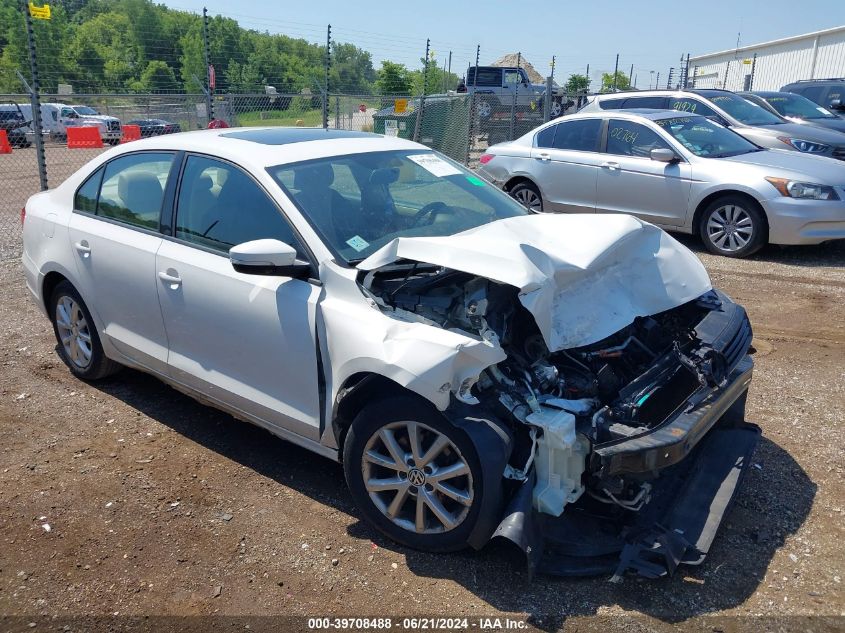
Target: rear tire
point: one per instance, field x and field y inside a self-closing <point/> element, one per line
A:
<point x="733" y="226"/>
<point x="78" y="341"/>
<point x="527" y="194"/>
<point x="428" y="499"/>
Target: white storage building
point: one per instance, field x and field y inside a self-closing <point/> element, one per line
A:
<point x="817" y="55"/>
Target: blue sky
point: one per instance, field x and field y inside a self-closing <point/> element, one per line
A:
<point x="650" y="35"/>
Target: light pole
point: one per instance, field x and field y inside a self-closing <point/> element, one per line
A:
<point x="650" y="79"/>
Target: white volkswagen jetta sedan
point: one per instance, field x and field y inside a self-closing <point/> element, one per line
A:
<point x="479" y="369"/>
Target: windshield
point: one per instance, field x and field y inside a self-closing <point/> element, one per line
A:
<point x="744" y="111"/>
<point x="800" y="107"/>
<point x="359" y="202"/>
<point x="85" y="110"/>
<point x="706" y="138"/>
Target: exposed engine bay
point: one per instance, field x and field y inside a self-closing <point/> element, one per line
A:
<point x="563" y="405"/>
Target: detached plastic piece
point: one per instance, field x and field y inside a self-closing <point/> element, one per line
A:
<point x="559" y="461"/>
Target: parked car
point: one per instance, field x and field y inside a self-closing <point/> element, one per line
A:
<point x="503" y="87"/>
<point x="756" y="123"/>
<point x="155" y="127"/>
<point x="471" y="363"/>
<point x="681" y="171"/>
<point x="796" y="108"/>
<point x="109" y="126"/>
<point x="828" y="93"/>
<point x="16" y="127"/>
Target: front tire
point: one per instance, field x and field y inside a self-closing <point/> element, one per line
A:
<point x="527" y="194"/>
<point x="733" y="226"/>
<point x="414" y="476"/>
<point x="78" y="342"/>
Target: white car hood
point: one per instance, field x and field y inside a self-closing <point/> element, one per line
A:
<point x="582" y="277"/>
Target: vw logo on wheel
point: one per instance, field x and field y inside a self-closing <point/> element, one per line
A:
<point x="416" y="477"/>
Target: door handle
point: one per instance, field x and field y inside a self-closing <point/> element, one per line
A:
<point x="610" y="165"/>
<point x="83" y="248"/>
<point x="544" y="156"/>
<point x="171" y="279"/>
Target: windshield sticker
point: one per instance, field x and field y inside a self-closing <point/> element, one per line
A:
<point x="358" y="243"/>
<point x="475" y="180"/>
<point x="434" y="165"/>
<point x="824" y="111"/>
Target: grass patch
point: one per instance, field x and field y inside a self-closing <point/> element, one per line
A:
<point x="309" y="118"/>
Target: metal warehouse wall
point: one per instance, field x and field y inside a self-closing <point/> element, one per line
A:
<point x="811" y="56"/>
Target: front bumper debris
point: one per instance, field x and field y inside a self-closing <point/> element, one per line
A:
<point x="677" y="526"/>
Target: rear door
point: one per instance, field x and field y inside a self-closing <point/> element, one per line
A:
<point x="244" y="340"/>
<point x="114" y="234"/>
<point x="629" y="181"/>
<point x="565" y="163"/>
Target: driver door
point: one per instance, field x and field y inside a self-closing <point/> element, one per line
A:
<point x="245" y="340"/>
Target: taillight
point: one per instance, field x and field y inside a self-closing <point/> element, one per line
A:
<point x="23" y="215"/>
<point x="486" y="158"/>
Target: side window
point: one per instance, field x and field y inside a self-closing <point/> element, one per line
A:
<point x="835" y="94"/>
<point x="694" y="106"/>
<point x="813" y="93"/>
<point x="490" y="77"/>
<point x="657" y="103"/>
<point x="626" y="138"/>
<point x="611" y="104"/>
<point x="133" y="189"/>
<point x="86" y="195"/>
<point x="546" y="137"/>
<point x="220" y="206"/>
<point x="581" y="135"/>
<point x="511" y="78"/>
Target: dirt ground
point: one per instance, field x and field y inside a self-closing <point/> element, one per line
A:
<point x="159" y="506"/>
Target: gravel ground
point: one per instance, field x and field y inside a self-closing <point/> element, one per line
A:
<point x="157" y="505"/>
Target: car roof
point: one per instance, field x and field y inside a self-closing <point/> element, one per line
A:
<point x="262" y="147"/>
<point x="661" y="93"/>
<point x="652" y="114"/>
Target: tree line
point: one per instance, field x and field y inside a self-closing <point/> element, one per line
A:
<point x="136" y="46"/>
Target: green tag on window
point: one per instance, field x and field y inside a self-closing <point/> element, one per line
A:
<point x="475" y="180"/>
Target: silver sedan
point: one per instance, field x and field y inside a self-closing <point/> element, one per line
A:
<point x="681" y="172"/>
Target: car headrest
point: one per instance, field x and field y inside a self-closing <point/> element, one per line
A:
<point x="384" y="176"/>
<point x="140" y="192"/>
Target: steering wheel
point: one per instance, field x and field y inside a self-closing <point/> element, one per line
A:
<point x="430" y="211"/>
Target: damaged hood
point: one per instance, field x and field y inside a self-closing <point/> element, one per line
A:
<point x="582" y="277"/>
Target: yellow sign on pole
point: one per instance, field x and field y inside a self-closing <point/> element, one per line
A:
<point x="400" y="105"/>
<point x="39" y="13"/>
<point x="746" y="61"/>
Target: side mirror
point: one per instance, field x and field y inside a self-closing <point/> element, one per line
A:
<point x="664" y="155"/>
<point x="268" y="257"/>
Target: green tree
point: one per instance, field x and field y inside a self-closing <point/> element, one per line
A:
<point x="577" y="83"/>
<point x="352" y="70"/>
<point x="622" y="82"/>
<point x="157" y="77"/>
<point x="393" y="79"/>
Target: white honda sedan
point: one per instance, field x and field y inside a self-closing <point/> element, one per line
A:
<point x="476" y="367"/>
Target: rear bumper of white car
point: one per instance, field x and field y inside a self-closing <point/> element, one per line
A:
<point x="794" y="221"/>
<point x="34" y="281"/>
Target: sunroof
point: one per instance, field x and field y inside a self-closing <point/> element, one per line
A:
<point x="286" y="135"/>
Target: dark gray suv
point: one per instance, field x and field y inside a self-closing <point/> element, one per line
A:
<point x="828" y="93"/>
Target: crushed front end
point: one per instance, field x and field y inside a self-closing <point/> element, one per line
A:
<point x="625" y="453"/>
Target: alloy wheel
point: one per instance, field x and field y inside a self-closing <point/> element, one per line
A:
<point x="73" y="331"/>
<point x="528" y="198"/>
<point x="417" y="478"/>
<point x="730" y="228"/>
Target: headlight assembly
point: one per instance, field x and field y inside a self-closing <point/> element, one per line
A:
<point x="801" y="145"/>
<point x="803" y="190"/>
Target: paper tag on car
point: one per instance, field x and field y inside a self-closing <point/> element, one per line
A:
<point x="358" y="243"/>
<point x="435" y="165"/>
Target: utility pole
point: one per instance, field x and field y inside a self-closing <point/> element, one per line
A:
<point x="615" y="72"/>
<point x="209" y="84"/>
<point x="35" y="97"/>
<point x="630" y="75"/>
<point x="471" y="134"/>
<point x="326" y="85"/>
<point x="421" y="109"/>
